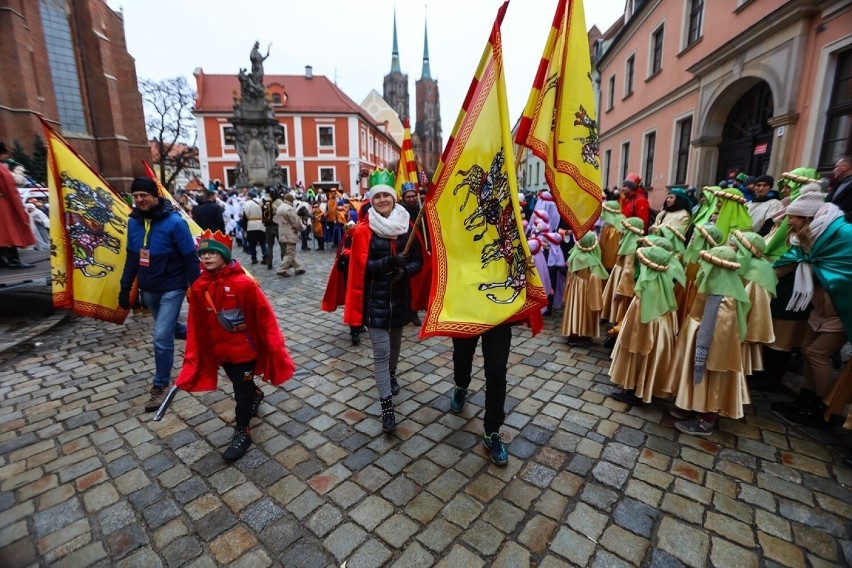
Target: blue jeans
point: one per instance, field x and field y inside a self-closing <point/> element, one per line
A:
<point x="165" y="307"/>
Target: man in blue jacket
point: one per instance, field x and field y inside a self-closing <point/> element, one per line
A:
<point x="161" y="255"/>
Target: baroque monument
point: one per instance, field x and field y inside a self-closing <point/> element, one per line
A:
<point x="256" y="130"/>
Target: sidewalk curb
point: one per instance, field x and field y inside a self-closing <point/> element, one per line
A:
<point x="8" y="348"/>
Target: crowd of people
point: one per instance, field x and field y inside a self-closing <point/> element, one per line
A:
<point x="701" y="302"/>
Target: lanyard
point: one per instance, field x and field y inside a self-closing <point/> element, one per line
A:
<point x="147" y="232"/>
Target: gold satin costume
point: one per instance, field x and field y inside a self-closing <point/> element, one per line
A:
<point x="618" y="290"/>
<point x="609" y="241"/>
<point x="723" y="388"/>
<point x="643" y="352"/>
<point x="583" y="304"/>
<point x="759" y="330"/>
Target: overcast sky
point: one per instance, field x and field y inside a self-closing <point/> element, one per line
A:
<point x="347" y="40"/>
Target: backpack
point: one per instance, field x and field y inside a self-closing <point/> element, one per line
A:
<point x="266" y="212"/>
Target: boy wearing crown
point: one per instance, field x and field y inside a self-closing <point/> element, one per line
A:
<point x="231" y="324"/>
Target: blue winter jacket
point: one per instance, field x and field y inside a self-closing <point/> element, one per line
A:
<point x="173" y="262"/>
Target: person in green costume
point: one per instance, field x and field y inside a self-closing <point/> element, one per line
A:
<point x="733" y="213"/>
<point x="645" y="346"/>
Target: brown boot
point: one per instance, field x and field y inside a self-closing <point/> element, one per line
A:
<point x="158" y="395"/>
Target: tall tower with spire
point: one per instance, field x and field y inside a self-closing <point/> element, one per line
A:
<point x="427" y="140"/>
<point x="396" y="82"/>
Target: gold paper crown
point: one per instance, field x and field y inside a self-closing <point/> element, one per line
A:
<point x="382" y="177"/>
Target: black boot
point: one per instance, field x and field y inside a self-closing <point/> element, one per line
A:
<point x="388" y="417"/>
<point x="14" y="260"/>
<point x="806" y="396"/>
<point x="255" y="403"/>
<point x="810" y="413"/>
<point x="394" y="382"/>
<point x="239" y="444"/>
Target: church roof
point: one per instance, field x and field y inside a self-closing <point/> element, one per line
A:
<point x="426" y="73"/>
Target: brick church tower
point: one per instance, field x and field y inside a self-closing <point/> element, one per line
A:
<point x="427" y="141"/>
<point x="396" y="83"/>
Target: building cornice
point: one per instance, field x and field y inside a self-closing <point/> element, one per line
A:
<point x="789" y="13"/>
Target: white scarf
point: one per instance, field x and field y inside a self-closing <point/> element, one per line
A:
<point x="392" y="226"/>
<point x="803" y="285"/>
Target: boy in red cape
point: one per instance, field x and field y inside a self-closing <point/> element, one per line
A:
<point x="231" y="324"/>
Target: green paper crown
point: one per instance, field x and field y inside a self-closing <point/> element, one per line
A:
<point x="382" y="177"/>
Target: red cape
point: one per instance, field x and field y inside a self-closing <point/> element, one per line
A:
<point x="354" y="297"/>
<point x="335" y="288"/>
<point x="15" y="228"/>
<point x="200" y="369"/>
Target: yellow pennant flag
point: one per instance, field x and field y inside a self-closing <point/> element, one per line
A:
<point x="194" y="229"/>
<point x="483" y="275"/>
<point x="88" y="230"/>
<point x="559" y="124"/>
<point x="407" y="170"/>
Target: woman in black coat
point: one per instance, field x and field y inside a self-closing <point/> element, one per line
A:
<point x="379" y="291"/>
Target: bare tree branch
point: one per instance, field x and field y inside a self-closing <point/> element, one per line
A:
<point x="169" y="122"/>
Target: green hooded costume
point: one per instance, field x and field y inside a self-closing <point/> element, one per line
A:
<point x="654" y="282"/>
<point x="587" y="254"/>
<point x="707" y="207"/>
<point x="753" y="265"/>
<point x="704" y="237"/>
<point x="611" y="214"/>
<point x="733" y="213"/>
<point x="633" y="229"/>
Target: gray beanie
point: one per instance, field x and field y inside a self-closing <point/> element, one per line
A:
<point x="807" y="204"/>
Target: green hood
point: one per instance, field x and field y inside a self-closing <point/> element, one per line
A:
<point x="611" y="213"/>
<point x="633" y="230"/>
<point x="655" y="282"/>
<point x="753" y="265"/>
<point x="733" y="213"/>
<point x="587" y="254"/>
<point x="700" y="242"/>
<point x="724" y="280"/>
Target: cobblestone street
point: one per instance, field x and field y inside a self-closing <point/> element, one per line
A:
<point x="88" y="479"/>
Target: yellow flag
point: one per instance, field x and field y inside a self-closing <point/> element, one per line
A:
<point x="559" y="123"/>
<point x="88" y="230"/>
<point x="483" y="275"/>
<point x="407" y="170"/>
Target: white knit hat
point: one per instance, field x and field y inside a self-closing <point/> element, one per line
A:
<point x="807" y="204"/>
<point x="377" y="189"/>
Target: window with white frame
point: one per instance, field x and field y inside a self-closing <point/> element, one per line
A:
<point x="657" y="50"/>
<point x="625" y="159"/>
<point x="648" y="168"/>
<point x="230" y="177"/>
<point x="363" y="142"/>
<point x="611" y="95"/>
<point x="285" y="175"/>
<point x="695" y="21"/>
<point x="606" y="162"/>
<point x="327" y="174"/>
<point x="683" y="131"/>
<point x="629" y="69"/>
<point x="229" y="135"/>
<point x="837" y="137"/>
<point x="325" y="135"/>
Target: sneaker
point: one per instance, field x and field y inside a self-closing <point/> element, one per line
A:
<point x="300" y="271"/>
<point x="239" y="444"/>
<point x="457" y="402"/>
<point x="158" y="395"/>
<point x="255" y="404"/>
<point x="695" y="426"/>
<point x="494" y="443"/>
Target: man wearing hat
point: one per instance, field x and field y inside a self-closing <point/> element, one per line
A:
<point x="161" y="257"/>
<point x="765" y="204"/>
<point x="255" y="231"/>
<point x="635" y="204"/>
<point x="841" y="195"/>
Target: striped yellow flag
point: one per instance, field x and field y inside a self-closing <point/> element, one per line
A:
<point x="194" y="229"/>
<point x="483" y="275"/>
<point x="559" y="124"/>
<point x="407" y="170"/>
<point x="88" y="230"/>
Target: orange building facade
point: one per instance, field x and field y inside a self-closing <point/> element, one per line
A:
<point x="328" y="140"/>
<point x="691" y="90"/>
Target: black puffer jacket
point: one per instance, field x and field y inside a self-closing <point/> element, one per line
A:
<point x="387" y="292"/>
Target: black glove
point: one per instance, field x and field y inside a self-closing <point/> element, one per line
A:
<point x="398" y="276"/>
<point x="399" y="260"/>
<point x="124" y="299"/>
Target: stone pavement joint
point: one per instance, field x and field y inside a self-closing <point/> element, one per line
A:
<point x="88" y="479"/>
